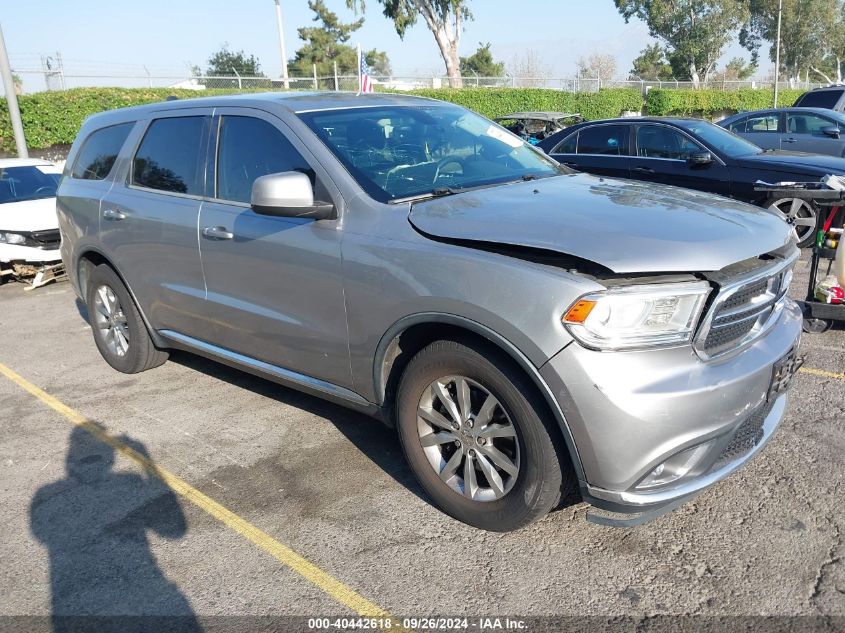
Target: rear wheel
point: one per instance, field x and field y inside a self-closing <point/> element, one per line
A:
<point x="800" y="215"/>
<point x="816" y="326"/>
<point x="473" y="432"/>
<point x="119" y="331"/>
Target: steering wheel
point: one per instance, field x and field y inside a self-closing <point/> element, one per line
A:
<point x="449" y="160"/>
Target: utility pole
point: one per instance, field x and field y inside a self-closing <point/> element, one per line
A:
<point x="12" y="99"/>
<point x="279" y="24"/>
<point x="777" y="52"/>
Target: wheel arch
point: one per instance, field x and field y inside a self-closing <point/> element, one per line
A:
<point x="92" y="257"/>
<point x="412" y="333"/>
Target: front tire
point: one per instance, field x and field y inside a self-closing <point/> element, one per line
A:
<point x="472" y="429"/>
<point x="119" y="331"/>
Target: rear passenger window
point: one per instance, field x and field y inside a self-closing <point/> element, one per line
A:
<point x="170" y="157"/>
<point x="604" y="139"/>
<point x="768" y="123"/>
<point x="248" y="149"/>
<point x="99" y="151"/>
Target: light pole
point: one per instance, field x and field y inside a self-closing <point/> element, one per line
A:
<point x="282" y="45"/>
<point x="777" y="52"/>
<point x="12" y="99"/>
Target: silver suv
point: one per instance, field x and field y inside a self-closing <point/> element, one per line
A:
<point x="533" y="333"/>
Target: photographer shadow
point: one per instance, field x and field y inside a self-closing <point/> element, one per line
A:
<point x="94" y="523"/>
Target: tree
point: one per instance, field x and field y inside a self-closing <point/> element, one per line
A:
<point x="529" y="70"/>
<point x="444" y="18"/>
<point x="378" y="62"/>
<point x="806" y="35"/>
<point x="225" y="63"/>
<point x="694" y="31"/>
<point x="651" y="65"/>
<point x="325" y="45"/>
<point x="597" y="66"/>
<point x="481" y="63"/>
<point x="830" y="67"/>
<point x="738" y="69"/>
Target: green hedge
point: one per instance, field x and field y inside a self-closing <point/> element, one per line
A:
<point x="54" y="118"/>
<point x="706" y="103"/>
<point x="493" y="102"/>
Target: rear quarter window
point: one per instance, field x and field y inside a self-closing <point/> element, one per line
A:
<point x="567" y="146"/>
<point x="99" y="152"/>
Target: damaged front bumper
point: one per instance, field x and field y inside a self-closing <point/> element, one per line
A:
<point x="638" y="418"/>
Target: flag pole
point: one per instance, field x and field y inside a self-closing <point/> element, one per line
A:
<point x="359" y="68"/>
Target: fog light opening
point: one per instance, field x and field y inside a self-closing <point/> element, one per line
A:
<point x="676" y="467"/>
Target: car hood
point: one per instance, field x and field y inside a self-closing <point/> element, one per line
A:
<point x="626" y="226"/>
<point x="29" y="215"/>
<point x="795" y="163"/>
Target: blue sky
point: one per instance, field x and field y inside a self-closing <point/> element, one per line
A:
<point x="166" y="35"/>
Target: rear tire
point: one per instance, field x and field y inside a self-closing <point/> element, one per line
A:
<point x="119" y="331"/>
<point x="486" y="458"/>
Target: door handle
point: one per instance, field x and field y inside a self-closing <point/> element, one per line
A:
<point x="644" y="170"/>
<point x="789" y="140"/>
<point x="217" y="233"/>
<point x="113" y="214"/>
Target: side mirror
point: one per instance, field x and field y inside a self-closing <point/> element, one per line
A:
<point x="700" y="158"/>
<point x="831" y="130"/>
<point x="289" y="195"/>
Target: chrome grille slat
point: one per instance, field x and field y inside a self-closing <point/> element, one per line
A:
<point x="743" y="310"/>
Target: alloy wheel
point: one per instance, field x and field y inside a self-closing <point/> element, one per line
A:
<point x="468" y="438"/>
<point x="799" y="214"/>
<point x="110" y="319"/>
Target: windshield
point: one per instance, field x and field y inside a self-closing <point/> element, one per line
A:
<point x="401" y="152"/>
<point x="721" y="139"/>
<point x="26" y="183"/>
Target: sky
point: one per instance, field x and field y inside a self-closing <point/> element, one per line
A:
<point x="166" y="36"/>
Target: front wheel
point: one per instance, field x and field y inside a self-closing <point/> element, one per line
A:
<point x="801" y="215"/>
<point x="473" y="432"/>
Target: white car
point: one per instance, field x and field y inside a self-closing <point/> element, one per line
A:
<point x="29" y="227"/>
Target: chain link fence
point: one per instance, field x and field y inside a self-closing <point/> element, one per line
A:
<point x="50" y="72"/>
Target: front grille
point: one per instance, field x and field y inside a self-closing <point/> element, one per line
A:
<point x="741" y="311"/>
<point x="747" y="436"/>
<point x="746" y="294"/>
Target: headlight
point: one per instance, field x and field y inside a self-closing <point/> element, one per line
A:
<point x="638" y="316"/>
<point x="12" y="238"/>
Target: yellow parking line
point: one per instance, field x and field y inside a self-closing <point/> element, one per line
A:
<point x="285" y="555"/>
<point x="822" y="372"/>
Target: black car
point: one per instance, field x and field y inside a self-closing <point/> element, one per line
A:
<point x="694" y="154"/>
<point x="828" y="97"/>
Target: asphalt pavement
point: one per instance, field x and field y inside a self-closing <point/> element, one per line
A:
<point x="318" y="495"/>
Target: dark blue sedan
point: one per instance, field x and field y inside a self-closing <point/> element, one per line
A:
<point x="694" y="154"/>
